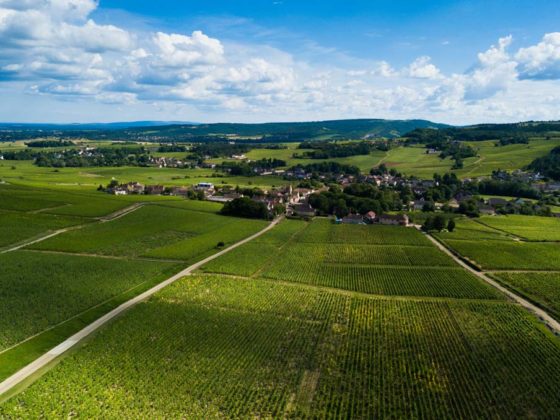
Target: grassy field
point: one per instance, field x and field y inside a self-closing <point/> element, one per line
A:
<point x="542" y="288"/>
<point x="42" y="290"/>
<point x="236" y="348"/>
<point x="156" y="231"/>
<point x="24" y="172"/>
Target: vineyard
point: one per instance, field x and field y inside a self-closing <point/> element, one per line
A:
<point x="542" y="287"/>
<point x="215" y="347"/>
<point x="155" y="231"/>
<point x="40" y="290"/>
<point x="17" y="226"/>
<point x="509" y="255"/>
<point x="532" y="228"/>
<point x="364" y="259"/>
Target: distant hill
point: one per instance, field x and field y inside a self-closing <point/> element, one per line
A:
<point x="271" y="132"/>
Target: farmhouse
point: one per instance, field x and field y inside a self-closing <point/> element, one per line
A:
<point x="353" y="219"/>
<point x="205" y="186"/>
<point x="154" y="189"/>
<point x="393" y="219"/>
<point x="370" y="217"/>
<point x="303" y="210"/>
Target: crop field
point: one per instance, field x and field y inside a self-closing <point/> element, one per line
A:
<point x="16" y="226"/>
<point x="41" y="290"/>
<point x="343" y="257"/>
<point x="532" y="228"/>
<point x="215" y="347"/>
<point x="61" y="202"/>
<point x="543" y="288"/>
<point x="509" y="255"/>
<point x="156" y="231"/>
<point x="471" y="229"/>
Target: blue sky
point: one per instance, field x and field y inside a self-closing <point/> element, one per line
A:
<point x="451" y="61"/>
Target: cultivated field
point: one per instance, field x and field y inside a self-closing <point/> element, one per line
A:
<point x="542" y="288"/>
<point x="381" y="260"/>
<point x="532" y="228"/>
<point x="41" y="290"/>
<point x="214" y="347"/>
<point x="156" y="231"/>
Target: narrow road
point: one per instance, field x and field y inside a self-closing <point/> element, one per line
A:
<point x="57" y="351"/>
<point x="541" y="314"/>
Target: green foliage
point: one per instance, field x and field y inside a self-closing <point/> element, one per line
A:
<point x="245" y="207"/>
<point x="532" y="228"/>
<point x="41" y="290"/>
<point x="155" y="231"/>
<point x="245" y="349"/>
<point x="548" y="165"/>
<point x="542" y="288"/>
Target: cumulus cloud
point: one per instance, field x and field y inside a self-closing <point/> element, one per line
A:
<point x="422" y="68"/>
<point x="541" y="61"/>
<point x="54" y="47"/>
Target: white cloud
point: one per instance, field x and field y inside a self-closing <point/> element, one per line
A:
<point x="53" y="48"/>
<point x="422" y="68"/>
<point x="541" y="61"/>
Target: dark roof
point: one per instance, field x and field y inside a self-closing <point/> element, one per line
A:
<point x="393" y="216"/>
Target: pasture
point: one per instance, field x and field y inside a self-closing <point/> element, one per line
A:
<point x="238" y="348"/>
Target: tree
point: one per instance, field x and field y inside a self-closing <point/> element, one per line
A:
<point x="429" y="206"/>
<point x="428" y="224"/>
<point x="451" y="225"/>
<point x="245" y="207"/>
<point x="439" y="222"/>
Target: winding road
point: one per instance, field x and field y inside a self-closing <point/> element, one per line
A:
<point x="32" y="368"/>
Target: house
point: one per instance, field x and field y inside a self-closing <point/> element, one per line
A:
<point x="419" y="204"/>
<point x="497" y="202"/>
<point x="154" y="189"/>
<point x="353" y="219"/>
<point x="453" y="203"/>
<point x="303" y="210"/>
<point x="134" y="188"/>
<point x="205" y="186"/>
<point x="394" y="219"/>
<point x="370" y="217"/>
<point x="179" y="191"/>
<point x="486" y="209"/>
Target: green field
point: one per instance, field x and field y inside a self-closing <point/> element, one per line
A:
<point x="25" y="173"/>
<point x="214" y="347"/>
<point x="542" y="288"/>
<point x="39" y="290"/>
<point x="381" y="260"/>
<point x="16" y="227"/>
<point x="532" y="228"/>
<point x="156" y="231"/>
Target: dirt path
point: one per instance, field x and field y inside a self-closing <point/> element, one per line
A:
<point x="40" y="363"/>
<point x="541" y="314"/>
<point x="120" y="213"/>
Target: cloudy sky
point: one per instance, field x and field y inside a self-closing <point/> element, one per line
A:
<point x="449" y="61"/>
